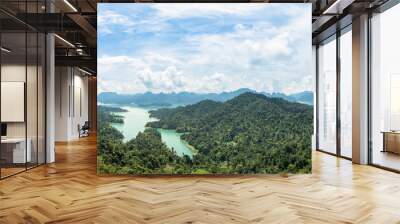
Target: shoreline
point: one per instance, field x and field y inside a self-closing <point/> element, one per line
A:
<point x="191" y="147"/>
<point x="190" y="150"/>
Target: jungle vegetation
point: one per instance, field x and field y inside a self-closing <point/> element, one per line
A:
<point x="251" y="133"/>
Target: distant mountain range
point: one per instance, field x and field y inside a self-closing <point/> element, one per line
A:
<point x="185" y="98"/>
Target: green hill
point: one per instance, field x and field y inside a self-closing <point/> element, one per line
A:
<point x="250" y="133"/>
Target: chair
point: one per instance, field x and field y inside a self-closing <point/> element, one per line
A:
<point x="84" y="130"/>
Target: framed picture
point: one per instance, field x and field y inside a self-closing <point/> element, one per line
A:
<point x="204" y="88"/>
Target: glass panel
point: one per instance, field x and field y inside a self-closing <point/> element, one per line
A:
<point x="41" y="99"/>
<point x="23" y="90"/>
<point x="32" y="88"/>
<point x="346" y="94"/>
<point x="386" y="89"/>
<point x="13" y="86"/>
<point x="314" y="75"/>
<point x="327" y="97"/>
<point x="31" y="100"/>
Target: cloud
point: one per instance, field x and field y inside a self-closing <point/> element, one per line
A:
<point x="168" y="80"/>
<point x="107" y="20"/>
<point x="145" y="74"/>
<point x="263" y="50"/>
<point x="149" y="73"/>
<point x="230" y="47"/>
<point x="259" y="42"/>
<point x="157" y="15"/>
<point x="178" y="10"/>
<point x="204" y="10"/>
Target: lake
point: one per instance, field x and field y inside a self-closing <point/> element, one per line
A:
<point x="134" y="122"/>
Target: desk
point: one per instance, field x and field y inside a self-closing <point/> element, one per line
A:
<point x="391" y="141"/>
<point x="15" y="148"/>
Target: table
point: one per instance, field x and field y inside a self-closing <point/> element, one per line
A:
<point x="13" y="150"/>
<point x="391" y="141"/>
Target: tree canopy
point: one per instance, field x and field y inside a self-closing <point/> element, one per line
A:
<point x="251" y="133"/>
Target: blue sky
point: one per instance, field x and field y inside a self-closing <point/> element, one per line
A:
<point x="204" y="47"/>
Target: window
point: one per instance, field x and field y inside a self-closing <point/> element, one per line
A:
<point x="346" y="93"/>
<point x="385" y="89"/>
<point x="327" y="96"/>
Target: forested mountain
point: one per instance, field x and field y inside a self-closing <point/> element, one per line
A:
<point x="306" y="97"/>
<point x="101" y="108"/>
<point x="251" y="133"/>
<point x="185" y="98"/>
<point x="145" y="154"/>
<point x="104" y="114"/>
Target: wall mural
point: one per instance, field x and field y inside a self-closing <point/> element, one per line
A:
<point x="204" y="88"/>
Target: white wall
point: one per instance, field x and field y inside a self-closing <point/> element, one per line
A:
<point x="17" y="73"/>
<point x="62" y="81"/>
<point x="80" y="109"/>
<point x="71" y="94"/>
<point x="9" y="73"/>
<point x="33" y="126"/>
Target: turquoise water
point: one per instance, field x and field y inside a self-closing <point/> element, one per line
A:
<point x="134" y="122"/>
<point x="173" y="140"/>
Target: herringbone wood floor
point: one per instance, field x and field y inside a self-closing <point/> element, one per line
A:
<point x="69" y="191"/>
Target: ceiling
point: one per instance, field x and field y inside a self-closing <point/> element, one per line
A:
<point x="75" y="22"/>
<point x="329" y="16"/>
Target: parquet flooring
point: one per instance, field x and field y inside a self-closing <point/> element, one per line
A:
<point x="69" y="191"/>
<point x="8" y="171"/>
